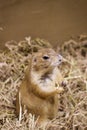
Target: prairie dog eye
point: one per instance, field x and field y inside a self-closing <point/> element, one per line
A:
<point x="45" y="57"/>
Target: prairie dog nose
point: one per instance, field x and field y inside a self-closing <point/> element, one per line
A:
<point x="60" y="58"/>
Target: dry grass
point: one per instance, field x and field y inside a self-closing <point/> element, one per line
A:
<point x="72" y="111"/>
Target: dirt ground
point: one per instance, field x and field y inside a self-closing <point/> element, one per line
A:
<point x="72" y="110"/>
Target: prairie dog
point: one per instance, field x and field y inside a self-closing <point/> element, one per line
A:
<point x="40" y="86"/>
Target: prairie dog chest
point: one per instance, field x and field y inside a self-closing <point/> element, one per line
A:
<point x="46" y="79"/>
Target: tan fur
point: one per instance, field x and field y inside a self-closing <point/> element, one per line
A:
<point x="40" y="87"/>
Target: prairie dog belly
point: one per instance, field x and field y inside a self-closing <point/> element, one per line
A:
<point x="39" y="106"/>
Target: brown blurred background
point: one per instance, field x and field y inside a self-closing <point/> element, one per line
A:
<point x="53" y="20"/>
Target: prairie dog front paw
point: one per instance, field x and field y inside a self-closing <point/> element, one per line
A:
<point x="59" y="89"/>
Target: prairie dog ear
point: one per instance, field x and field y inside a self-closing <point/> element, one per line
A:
<point x="34" y="59"/>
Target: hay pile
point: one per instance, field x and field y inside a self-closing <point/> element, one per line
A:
<point x="72" y="111"/>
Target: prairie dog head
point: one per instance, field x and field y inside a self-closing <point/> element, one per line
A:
<point x="45" y="59"/>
